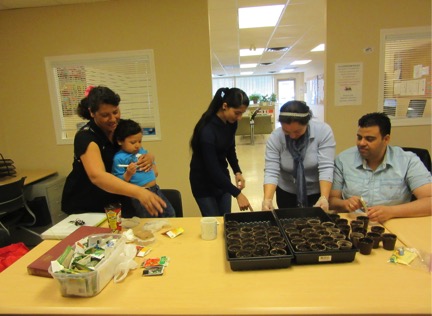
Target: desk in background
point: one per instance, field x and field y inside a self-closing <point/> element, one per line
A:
<point x="42" y="183"/>
<point x="199" y="281"/>
<point x="32" y="176"/>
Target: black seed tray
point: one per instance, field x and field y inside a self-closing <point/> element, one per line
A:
<point x="285" y="216"/>
<point x="266" y="223"/>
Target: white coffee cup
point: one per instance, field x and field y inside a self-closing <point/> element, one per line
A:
<point x="208" y="228"/>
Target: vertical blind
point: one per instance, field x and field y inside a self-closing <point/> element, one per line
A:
<point x="406" y="75"/>
<point x="130" y="74"/>
<point x="250" y="84"/>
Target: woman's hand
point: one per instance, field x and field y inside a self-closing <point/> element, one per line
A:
<point x="323" y="203"/>
<point x="267" y="205"/>
<point x="153" y="203"/>
<point x="243" y="202"/>
<point x="240" y="181"/>
<point x="145" y="162"/>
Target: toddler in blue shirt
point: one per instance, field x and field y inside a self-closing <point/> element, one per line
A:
<point x="128" y="135"/>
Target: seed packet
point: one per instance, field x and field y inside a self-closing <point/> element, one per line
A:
<point x="151" y="262"/>
<point x="142" y="251"/>
<point x="174" y="232"/>
<point x="154" y="270"/>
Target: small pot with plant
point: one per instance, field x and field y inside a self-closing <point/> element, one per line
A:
<point x="255" y="97"/>
<point x="273" y="98"/>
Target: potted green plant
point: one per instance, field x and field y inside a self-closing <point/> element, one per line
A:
<point x="255" y="97"/>
<point x="273" y="98"/>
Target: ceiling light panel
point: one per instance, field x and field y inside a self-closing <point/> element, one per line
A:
<point x="264" y="16"/>
<point x="248" y="65"/>
<point x="319" y="48"/>
<point x="301" y="62"/>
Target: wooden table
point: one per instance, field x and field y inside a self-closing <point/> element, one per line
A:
<point x="414" y="232"/>
<point x="199" y="281"/>
<point x="32" y="176"/>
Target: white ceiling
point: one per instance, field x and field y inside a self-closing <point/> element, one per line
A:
<point x="301" y="27"/>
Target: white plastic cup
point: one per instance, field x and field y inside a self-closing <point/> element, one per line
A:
<point x="208" y="228"/>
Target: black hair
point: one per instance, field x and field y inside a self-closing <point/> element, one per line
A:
<point x="97" y="96"/>
<point x="234" y="98"/>
<point x="376" y="119"/>
<point x="295" y="106"/>
<point x="126" y="128"/>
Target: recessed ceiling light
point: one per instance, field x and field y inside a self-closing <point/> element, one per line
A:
<point x="319" y="48"/>
<point x="248" y="65"/>
<point x="259" y="16"/>
<point x="301" y="62"/>
<point x="284" y="71"/>
<point x="251" y="52"/>
<point x="246" y="73"/>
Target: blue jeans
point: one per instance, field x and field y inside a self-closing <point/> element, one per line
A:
<point x="215" y="205"/>
<point x="140" y="210"/>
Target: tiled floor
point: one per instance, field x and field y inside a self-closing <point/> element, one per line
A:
<point x="251" y="159"/>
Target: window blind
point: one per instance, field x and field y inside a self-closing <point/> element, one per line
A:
<point x="130" y="74"/>
<point x="405" y="83"/>
<point x="249" y="84"/>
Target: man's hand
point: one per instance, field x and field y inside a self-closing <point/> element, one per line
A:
<point x="379" y="213"/>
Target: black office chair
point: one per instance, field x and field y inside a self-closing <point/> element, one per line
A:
<point x="13" y="207"/>
<point x="423" y="154"/>
<point x="174" y="196"/>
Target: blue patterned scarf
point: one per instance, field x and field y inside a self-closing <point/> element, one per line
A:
<point x="297" y="149"/>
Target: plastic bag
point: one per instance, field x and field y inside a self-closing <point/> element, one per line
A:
<point x="155" y="226"/>
<point x="126" y="263"/>
<point x="11" y="253"/>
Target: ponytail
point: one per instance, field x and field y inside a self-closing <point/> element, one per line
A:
<point x="234" y="98"/>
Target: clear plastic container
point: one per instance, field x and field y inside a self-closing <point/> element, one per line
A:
<point x="91" y="283"/>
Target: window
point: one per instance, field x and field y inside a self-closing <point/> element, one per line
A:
<point x="254" y="84"/>
<point x="405" y="75"/>
<point x="130" y="74"/>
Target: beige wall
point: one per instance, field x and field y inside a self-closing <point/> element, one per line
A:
<point x="178" y="33"/>
<point x="352" y="26"/>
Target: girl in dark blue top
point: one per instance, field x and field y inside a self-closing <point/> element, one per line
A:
<point x="213" y="148"/>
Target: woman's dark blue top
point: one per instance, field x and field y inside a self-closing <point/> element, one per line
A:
<point x="209" y="175"/>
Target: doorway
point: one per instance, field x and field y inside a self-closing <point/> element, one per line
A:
<point x="286" y="92"/>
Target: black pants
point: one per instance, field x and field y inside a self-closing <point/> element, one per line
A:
<point x="288" y="200"/>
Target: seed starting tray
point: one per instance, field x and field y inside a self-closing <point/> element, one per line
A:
<point x="285" y="216"/>
<point x="257" y="220"/>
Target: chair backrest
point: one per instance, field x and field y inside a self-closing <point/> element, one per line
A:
<point x="174" y="196"/>
<point x="263" y="124"/>
<point x="243" y="127"/>
<point x="11" y="196"/>
<point x="423" y="154"/>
